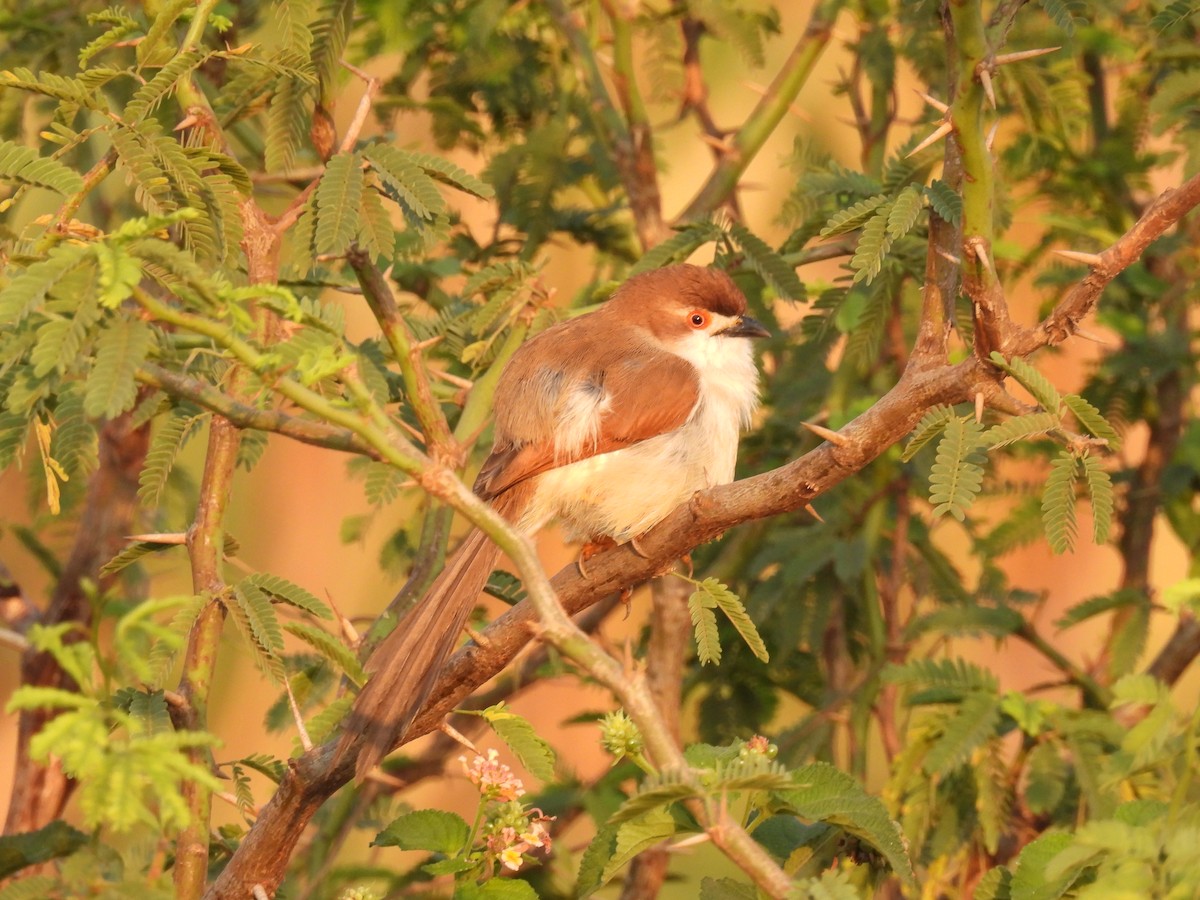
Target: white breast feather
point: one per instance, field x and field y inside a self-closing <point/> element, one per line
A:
<point x="624" y="493"/>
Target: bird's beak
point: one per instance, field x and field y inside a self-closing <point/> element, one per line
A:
<point x="747" y="327"/>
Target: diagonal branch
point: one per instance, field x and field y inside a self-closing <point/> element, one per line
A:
<point x="766" y="115"/>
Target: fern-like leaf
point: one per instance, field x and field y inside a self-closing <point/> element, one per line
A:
<point x="120" y="349"/>
<point x="289" y="593"/>
<point x="1092" y="419"/>
<point x="70" y="90"/>
<point x="1058" y="503"/>
<point x="946" y="201"/>
<point x="873" y="245"/>
<point x="24" y="166"/>
<point x="165" y="445"/>
<point x="1100" y="489"/>
<point x="25" y="293"/>
<point x="405" y="181"/>
<point x="957" y="475"/>
<point x="147" y="98"/>
<point x="678" y="247"/>
<point x="448" y="173"/>
<point x="288" y="119"/>
<point x="965" y="729"/>
<point x="853" y="217"/>
<point x="730" y="604"/>
<point x="1019" y="428"/>
<point x="704" y="624"/>
<point x="772" y="267"/>
<point x="329" y="34"/>
<point x="338" y="197"/>
<point x="251" y="610"/>
<point x="1032" y="380"/>
<point x="927" y="429"/>
<point x="330" y="648"/>
<point x="375" y="234"/>
<point x="904" y="212"/>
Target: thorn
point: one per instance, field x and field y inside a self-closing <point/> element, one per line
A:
<point x="979" y="406"/>
<point x="985" y="79"/>
<point x="979" y="251"/>
<point x="1005" y="58"/>
<point x="822" y="432"/>
<point x="1094" y="338"/>
<point x="1094" y="260"/>
<point x="808" y="508"/>
<point x="258" y="892"/>
<point x="187" y="122"/>
<point x="305" y="740"/>
<point x="942" y="130"/>
<point x="934" y="102"/>
<point x="175" y="537"/>
<point x="949" y="257"/>
<point x="455" y="735"/>
<point x="991" y="136"/>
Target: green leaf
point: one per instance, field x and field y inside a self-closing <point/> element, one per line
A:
<point x="873" y="245"/>
<point x="853" y="217"/>
<point x="375" y="234"/>
<point x="594" y="862"/>
<point x="772" y="267"/>
<point x="638" y="834"/>
<point x="1058" y="503"/>
<point x="1101" y="491"/>
<point x="24" y="166"/>
<point x="405" y="181"/>
<point x="964" y="729"/>
<point x="292" y="594"/>
<point x="132" y="554"/>
<point x="1091" y="419"/>
<point x="448" y="173"/>
<point x="1019" y="428"/>
<point x="120" y="349"/>
<point x="905" y="211"/>
<point x="165" y="445"/>
<point x="25" y="293"/>
<point x="930" y="426"/>
<point x="147" y="97"/>
<point x="1029" y="881"/>
<point x="330" y="648"/>
<point x="946" y="201"/>
<point x="425" y="829"/>
<point x="288" y="118"/>
<point x="338" y="197"/>
<point x="534" y="752"/>
<point x="252" y="613"/>
<point x="957" y="474"/>
<point x="730" y="604"/>
<point x="678" y="247"/>
<point x="53" y="841"/>
<point x="826" y="794"/>
<point x="655" y="793"/>
<point x="1032" y="380"/>
<point x="704" y="624"/>
<point x="1046" y="778"/>
<point x="726" y="889"/>
<point x="495" y="889"/>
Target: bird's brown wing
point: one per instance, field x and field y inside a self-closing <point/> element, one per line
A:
<point x="645" y="393"/>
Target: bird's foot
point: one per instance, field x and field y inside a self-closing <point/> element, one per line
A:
<point x="636" y="547"/>
<point x="590" y="549"/>
<point x="624" y="599"/>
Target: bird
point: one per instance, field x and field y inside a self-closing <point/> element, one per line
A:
<point x="606" y="423"/>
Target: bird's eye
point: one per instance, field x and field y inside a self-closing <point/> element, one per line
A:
<point x="697" y="319"/>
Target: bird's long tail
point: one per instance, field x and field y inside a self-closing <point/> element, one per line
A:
<point x="404" y="667"/>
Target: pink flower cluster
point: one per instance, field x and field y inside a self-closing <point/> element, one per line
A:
<point x="494" y="779"/>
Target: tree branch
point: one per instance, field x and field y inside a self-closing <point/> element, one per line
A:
<point x="766" y="115"/>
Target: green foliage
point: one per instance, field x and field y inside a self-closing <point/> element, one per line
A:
<point x="151" y="151"/>
<point x="957" y="475"/>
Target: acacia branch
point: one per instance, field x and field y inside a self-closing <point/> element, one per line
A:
<point x="306" y="431"/>
<point x="1167" y="209"/>
<point x="766" y="115"/>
